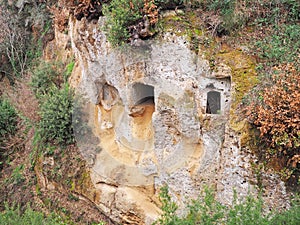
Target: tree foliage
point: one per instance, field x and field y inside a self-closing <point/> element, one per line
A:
<point x="277" y="116"/>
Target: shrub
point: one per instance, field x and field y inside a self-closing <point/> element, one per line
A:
<point x="56" y="116"/>
<point x="13" y="216"/>
<point x="219" y="5"/>
<point x="14" y="58"/>
<point x="168" y="207"/>
<point x="247" y="212"/>
<point x="44" y="77"/>
<point x="120" y="15"/>
<point x="207" y="210"/>
<point x="277" y="117"/>
<point x="8" y="119"/>
<point x="8" y="126"/>
<point x="283" y="46"/>
<point x="48" y="74"/>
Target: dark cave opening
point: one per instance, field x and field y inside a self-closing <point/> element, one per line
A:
<point x="213" y="103"/>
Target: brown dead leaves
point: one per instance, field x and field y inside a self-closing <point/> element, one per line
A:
<point x="151" y="10"/>
<point x="278" y="115"/>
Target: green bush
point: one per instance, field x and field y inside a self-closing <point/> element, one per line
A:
<point x="56" y="116"/>
<point x="120" y="14"/>
<point x="8" y="126"/>
<point x="8" y="119"/>
<point x="44" y="77"/>
<point x="248" y="212"/>
<point x="206" y="210"/>
<point x="13" y="216"/>
<point x="48" y="74"/>
<point x="283" y="46"/>
<point x="168" y="207"/>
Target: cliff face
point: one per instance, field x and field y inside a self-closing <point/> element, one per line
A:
<point x="157" y="114"/>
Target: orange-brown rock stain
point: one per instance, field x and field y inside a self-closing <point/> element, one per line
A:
<point x="142" y="125"/>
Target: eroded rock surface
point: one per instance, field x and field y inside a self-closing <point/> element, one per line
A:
<point x="157" y="115"/>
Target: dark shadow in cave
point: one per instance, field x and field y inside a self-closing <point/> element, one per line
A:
<point x="143" y="94"/>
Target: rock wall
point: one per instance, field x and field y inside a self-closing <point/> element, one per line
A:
<point x="154" y="115"/>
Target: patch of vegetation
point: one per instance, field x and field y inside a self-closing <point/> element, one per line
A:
<point x="277" y="116"/>
<point x="44" y="77"/>
<point x="49" y="83"/>
<point x="290" y="216"/>
<point x="8" y="119"/>
<point x="274" y="12"/>
<point x="56" y="116"/>
<point x="127" y="21"/>
<point x="120" y="15"/>
<point x="24" y="26"/>
<point x="273" y="106"/>
<point x="231" y="15"/>
<point x="17" y="175"/>
<point x="282" y="46"/>
<point x="220" y="17"/>
<point x="168" y="207"/>
<point x="207" y="210"/>
<point x="14" y="216"/>
<point x="229" y="18"/>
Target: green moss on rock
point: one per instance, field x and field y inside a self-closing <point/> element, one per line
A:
<point x="244" y="76"/>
